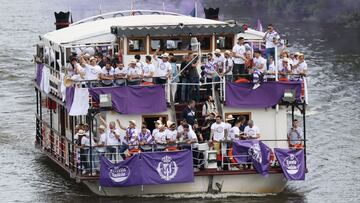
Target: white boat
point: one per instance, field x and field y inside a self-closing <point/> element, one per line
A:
<point x="126" y="33"/>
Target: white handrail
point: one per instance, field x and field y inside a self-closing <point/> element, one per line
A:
<point x="116" y="13"/>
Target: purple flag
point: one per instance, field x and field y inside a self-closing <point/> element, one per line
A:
<point x="39" y="69"/>
<point x="167" y="167"/>
<point x="292" y="163"/>
<point x="254" y="151"/>
<point x="69" y="98"/>
<point x="134" y="99"/>
<point x="125" y="173"/>
<point x="267" y="95"/>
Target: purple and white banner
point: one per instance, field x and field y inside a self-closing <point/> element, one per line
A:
<point x="255" y="151"/>
<point x="125" y="173"/>
<point x="168" y="167"/>
<point x="292" y="163"/>
<point x="150" y="168"/>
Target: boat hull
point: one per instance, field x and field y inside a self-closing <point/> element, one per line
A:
<point x="244" y="184"/>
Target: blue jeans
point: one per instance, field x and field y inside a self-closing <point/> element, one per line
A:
<point x="192" y="88"/>
<point x="184" y="90"/>
<point x="269" y="52"/>
<point x="122" y="149"/>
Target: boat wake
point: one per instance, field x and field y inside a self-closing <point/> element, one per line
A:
<point x="207" y="195"/>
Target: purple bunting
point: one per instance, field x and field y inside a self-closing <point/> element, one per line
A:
<point x="241" y="95"/>
<point x="125" y="173"/>
<point x="292" y="163"/>
<point x="69" y="98"/>
<point x="134" y="99"/>
<point x="39" y="69"/>
<point x="254" y="151"/>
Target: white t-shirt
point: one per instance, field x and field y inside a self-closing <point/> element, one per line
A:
<point x="111" y="139"/>
<point x="300" y="68"/>
<point x="102" y="139"/>
<point x="234" y="133"/>
<point x="240" y="50"/>
<point x="92" y="72"/>
<point x="228" y="127"/>
<point x="123" y="72"/>
<point x="171" y="135"/>
<point x="269" y="39"/>
<point x="106" y="72"/>
<point x="228" y="65"/>
<point x="219" y="131"/>
<point x="191" y="136"/>
<point x="258" y="62"/>
<point x="163" y="69"/>
<point x="282" y="68"/>
<point x="251" y="132"/>
<point x="133" y="72"/>
<point x="219" y="59"/>
<point x="85" y="141"/>
<point x="160" y="137"/>
<point x="147" y="70"/>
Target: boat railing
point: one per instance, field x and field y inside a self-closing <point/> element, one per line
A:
<point x="125" y="13"/>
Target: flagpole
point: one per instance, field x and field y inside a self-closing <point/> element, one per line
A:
<point x="163" y="4"/>
<point x="196" y="11"/>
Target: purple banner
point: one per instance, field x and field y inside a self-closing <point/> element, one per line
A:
<point x="168" y="167"/>
<point x="254" y="151"/>
<point x="267" y="95"/>
<point x="292" y="163"/>
<point x="134" y="99"/>
<point x="39" y="69"/>
<point x="69" y="98"/>
<point x="125" y="173"/>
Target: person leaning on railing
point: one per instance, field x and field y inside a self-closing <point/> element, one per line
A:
<point x="112" y="138"/>
<point x="131" y="132"/>
<point x="251" y="131"/>
<point x="148" y="71"/>
<point x="294" y="135"/>
<point x="163" y="69"/>
<point x="146" y="138"/>
<point x="300" y="68"/>
<point x="134" y="73"/>
<point x="107" y="74"/>
<point x="120" y="74"/>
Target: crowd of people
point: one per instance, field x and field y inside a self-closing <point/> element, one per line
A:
<point x="239" y="64"/>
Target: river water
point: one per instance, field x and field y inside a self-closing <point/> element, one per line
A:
<point x="333" y="128"/>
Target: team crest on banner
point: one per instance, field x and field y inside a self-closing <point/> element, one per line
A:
<point x="255" y="152"/>
<point x="119" y="174"/>
<point x="167" y="168"/>
<point x="292" y="163"/>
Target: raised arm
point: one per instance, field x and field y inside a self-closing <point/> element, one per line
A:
<point x="119" y="123"/>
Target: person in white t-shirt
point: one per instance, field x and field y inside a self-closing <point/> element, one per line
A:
<point x="163" y="69"/>
<point x="92" y="70"/>
<point x="134" y="73"/>
<point x="271" y="40"/>
<point x="171" y="136"/>
<point x="251" y="131"/>
<point x="239" y="57"/>
<point x="77" y="71"/>
<point x="160" y="138"/>
<point x="112" y="138"/>
<point x="148" y="70"/>
<point x="228" y="66"/>
<point x="218" y="130"/>
<point x="120" y="74"/>
<point x="139" y="63"/>
<point x="219" y="60"/>
<point x="229" y="120"/>
<point x="235" y="132"/>
<point x="258" y="69"/>
<point x="107" y="74"/>
<point x="299" y="69"/>
<point x="284" y="69"/>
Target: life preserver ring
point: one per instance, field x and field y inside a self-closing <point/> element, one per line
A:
<point x="283" y="79"/>
<point x="242" y="80"/>
<point x="171" y="148"/>
<point x="147" y="84"/>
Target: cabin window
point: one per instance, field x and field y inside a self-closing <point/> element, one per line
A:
<point x="224" y="42"/>
<point x="136" y="45"/>
<point x="179" y="44"/>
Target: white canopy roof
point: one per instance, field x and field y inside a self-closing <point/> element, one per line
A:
<point x="99" y="31"/>
<point x="252" y="35"/>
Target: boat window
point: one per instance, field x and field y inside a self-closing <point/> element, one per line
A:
<point x="136" y="45"/>
<point x="179" y="44"/>
<point x="224" y="42"/>
<point x="150" y="120"/>
<point x="237" y="115"/>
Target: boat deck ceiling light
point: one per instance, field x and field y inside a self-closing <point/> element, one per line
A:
<point x="289" y="95"/>
<point x="105" y="100"/>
